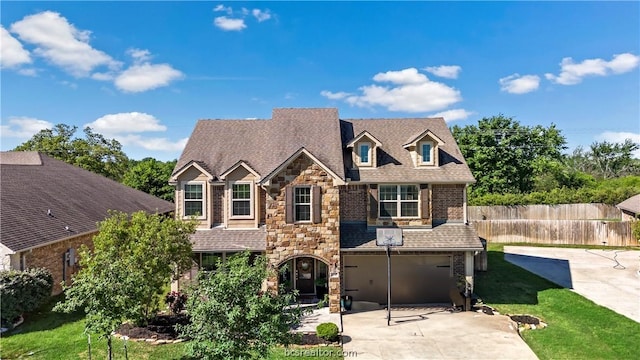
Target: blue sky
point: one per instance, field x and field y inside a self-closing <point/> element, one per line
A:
<point x="145" y="72"/>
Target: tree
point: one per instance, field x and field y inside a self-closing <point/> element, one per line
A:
<point x="151" y="176"/>
<point x="232" y="317"/>
<point x="93" y="152"/>
<point x="613" y="159"/>
<point x="124" y="275"/>
<point x="505" y="156"/>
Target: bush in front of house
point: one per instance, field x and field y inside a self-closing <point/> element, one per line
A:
<point x="176" y="301"/>
<point x="23" y="291"/>
<point x="327" y="331"/>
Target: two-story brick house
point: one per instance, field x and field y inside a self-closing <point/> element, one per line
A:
<point x="308" y="190"/>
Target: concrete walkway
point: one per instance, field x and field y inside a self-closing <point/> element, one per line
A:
<point x="316" y="317"/>
<point x="431" y="333"/>
<point x="609" y="278"/>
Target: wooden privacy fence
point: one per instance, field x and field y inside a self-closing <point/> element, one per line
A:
<point x="545" y="212"/>
<point x="557" y="232"/>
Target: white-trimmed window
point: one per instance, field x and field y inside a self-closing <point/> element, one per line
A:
<point x="398" y="201"/>
<point x="242" y="200"/>
<point x="426" y="153"/>
<point x="302" y="203"/>
<point x="364" y="153"/>
<point x="194" y="199"/>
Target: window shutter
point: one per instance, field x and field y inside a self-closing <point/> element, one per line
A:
<point x="424" y="196"/>
<point x="316" y="203"/>
<point x="288" y="199"/>
<point x="373" y="201"/>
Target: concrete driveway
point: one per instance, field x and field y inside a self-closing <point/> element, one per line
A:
<point x="609" y="278"/>
<point x="431" y="333"/>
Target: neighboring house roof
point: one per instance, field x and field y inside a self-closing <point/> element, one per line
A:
<point x="266" y="144"/>
<point x="218" y="239"/>
<point x="31" y="184"/>
<point x="218" y="145"/>
<point x="394" y="162"/>
<point x="445" y="237"/>
<point x="632" y="204"/>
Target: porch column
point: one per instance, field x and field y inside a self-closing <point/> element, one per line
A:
<point x="468" y="270"/>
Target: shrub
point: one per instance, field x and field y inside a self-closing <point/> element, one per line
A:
<point x="23" y="291"/>
<point x="635" y="229"/>
<point x="176" y="301"/>
<point x="327" y="331"/>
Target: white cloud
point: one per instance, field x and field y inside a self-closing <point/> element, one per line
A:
<point x="61" y="43"/>
<point x="406" y="76"/>
<point x="453" y="114"/>
<point x="23" y="127"/>
<point x="334" y="96"/>
<point x="445" y="71"/>
<point x="229" y="24"/>
<point x="153" y="144"/>
<point x="12" y="54"/>
<point x="131" y="122"/>
<point x="410" y="91"/>
<point x="517" y="84"/>
<point x="221" y="7"/>
<point x="139" y="55"/>
<point x="572" y="73"/>
<point x="620" y="137"/>
<point x="143" y="77"/>
<point x="28" y="72"/>
<point x="261" y="15"/>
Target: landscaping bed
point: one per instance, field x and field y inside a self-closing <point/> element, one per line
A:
<point x="161" y="327"/>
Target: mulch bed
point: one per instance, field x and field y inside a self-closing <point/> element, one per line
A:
<point x="161" y="327"/>
<point x="313" y="339"/>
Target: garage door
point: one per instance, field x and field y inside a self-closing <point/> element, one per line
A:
<point x="415" y="279"/>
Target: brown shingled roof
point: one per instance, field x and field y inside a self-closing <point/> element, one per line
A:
<point x="33" y="183"/>
<point x="632" y="204"/>
<point x="446" y="237"/>
<point x="219" y="239"/>
<point x="265" y="144"/>
<point x="394" y="161"/>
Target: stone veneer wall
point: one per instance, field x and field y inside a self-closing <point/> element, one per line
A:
<point x="50" y="257"/>
<point x="322" y="241"/>
<point x="217" y="196"/>
<point x="447" y="202"/>
<point x="353" y="203"/>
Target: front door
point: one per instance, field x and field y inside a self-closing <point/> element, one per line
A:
<point x="305" y="282"/>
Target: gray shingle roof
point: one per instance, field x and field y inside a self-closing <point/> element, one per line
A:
<point x="632" y="204"/>
<point x="218" y="239"/>
<point x="394" y="162"/>
<point x="444" y="237"/>
<point x="33" y="183"/>
<point x="265" y="144"/>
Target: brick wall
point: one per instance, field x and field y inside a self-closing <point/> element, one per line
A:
<point x="322" y="240"/>
<point x="51" y="257"/>
<point x="217" y="196"/>
<point x="353" y="203"/>
<point x="447" y="202"/>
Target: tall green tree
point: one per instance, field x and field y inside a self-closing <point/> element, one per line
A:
<point x="505" y="156"/>
<point x="609" y="160"/>
<point x="232" y="317"/>
<point x="151" y="176"/>
<point x="133" y="259"/>
<point x="92" y="152"/>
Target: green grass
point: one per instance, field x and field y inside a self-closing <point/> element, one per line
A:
<point x="46" y="335"/>
<point x="578" y="328"/>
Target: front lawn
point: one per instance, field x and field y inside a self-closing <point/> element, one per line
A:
<point x="578" y="328"/>
<point x="51" y="336"/>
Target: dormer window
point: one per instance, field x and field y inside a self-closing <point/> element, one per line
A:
<point x="364" y="154"/>
<point x="424" y="149"/>
<point x="426" y="153"/>
<point x="363" y="150"/>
